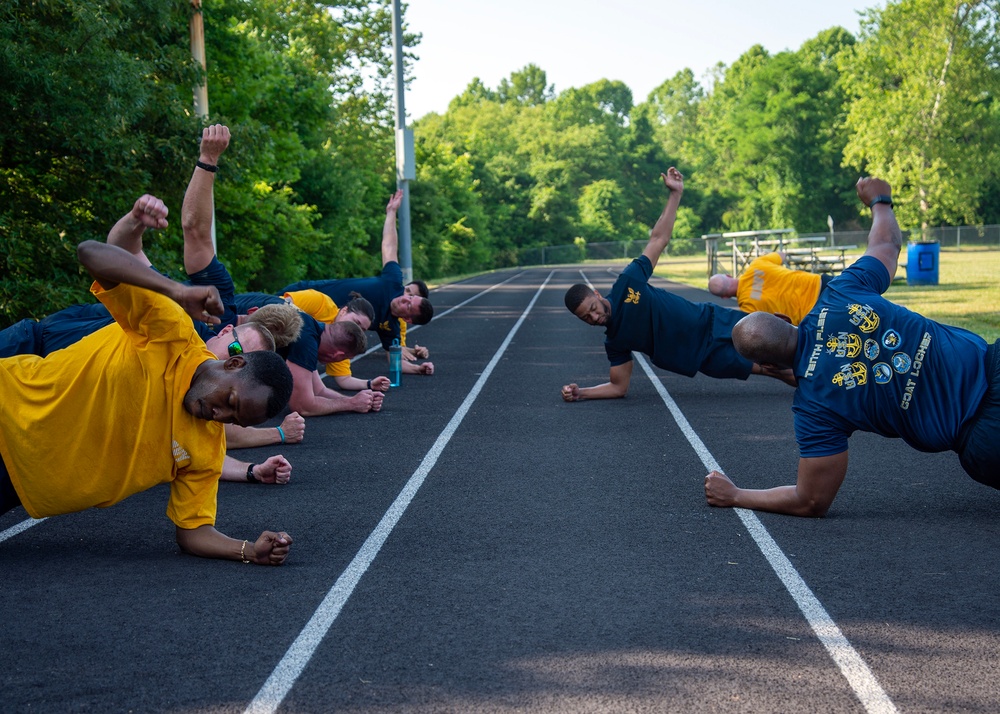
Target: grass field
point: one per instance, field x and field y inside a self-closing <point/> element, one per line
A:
<point x="967" y="294"/>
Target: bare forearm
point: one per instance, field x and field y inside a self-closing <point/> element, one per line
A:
<point x="318" y="405"/>
<point x="782" y="499"/>
<point x="196" y="219"/>
<point x="664" y="226"/>
<point x="608" y="390"/>
<point x="351" y="383"/>
<point x="247" y="437"/>
<point x="111" y="265"/>
<point x="206" y="542"/>
<point x="127" y="234"/>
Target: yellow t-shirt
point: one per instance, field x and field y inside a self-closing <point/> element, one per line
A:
<point x="767" y="286"/>
<point x="315" y="303"/>
<point x="102" y="419"/>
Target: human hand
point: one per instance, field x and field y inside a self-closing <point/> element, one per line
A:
<point x="421" y="352"/>
<point x="394" y="202"/>
<point x="673" y="179"/>
<point x="294" y="427"/>
<point x="271" y="548"/>
<point x="425" y="368"/>
<point x="719" y="490"/>
<point x="868" y="187"/>
<point x="367" y="400"/>
<point x="571" y="393"/>
<point x="408" y="354"/>
<point x="214" y="140"/>
<point x="381" y="384"/>
<point x="275" y="470"/>
<point x="201" y="302"/>
<point x="150" y="211"/>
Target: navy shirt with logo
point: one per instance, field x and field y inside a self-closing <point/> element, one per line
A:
<point x="677" y="334"/>
<point x="379" y="291"/>
<point x="864" y="363"/>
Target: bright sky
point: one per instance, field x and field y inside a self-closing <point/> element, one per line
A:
<point x="576" y="42"/>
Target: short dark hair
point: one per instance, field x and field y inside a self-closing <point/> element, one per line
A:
<point x="422" y="290"/>
<point x="269" y="370"/>
<point x="426" y="313"/>
<point x="577" y="294"/>
<point x="349" y="337"/>
<point x="360" y="306"/>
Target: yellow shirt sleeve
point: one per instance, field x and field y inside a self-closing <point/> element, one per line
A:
<point x="339" y="369"/>
<point x="315" y="303"/>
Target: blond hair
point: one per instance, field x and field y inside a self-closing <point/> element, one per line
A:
<point x="283" y="322"/>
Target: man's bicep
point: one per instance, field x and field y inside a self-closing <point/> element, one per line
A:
<point x="621" y="375"/>
<point x="819" y="479"/>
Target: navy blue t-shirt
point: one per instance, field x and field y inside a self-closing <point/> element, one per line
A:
<point x="677" y="334"/>
<point x="305" y="350"/>
<point x="379" y="291"/>
<point x="864" y="363"/>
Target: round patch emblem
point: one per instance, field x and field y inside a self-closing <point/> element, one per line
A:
<point x="891" y="339"/>
<point x="882" y="373"/>
<point x="901" y="362"/>
<point x="871" y="348"/>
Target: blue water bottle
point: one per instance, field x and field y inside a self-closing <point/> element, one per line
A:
<point x="395" y="363"/>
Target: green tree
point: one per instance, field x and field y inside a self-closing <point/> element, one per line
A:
<point x="923" y="80"/>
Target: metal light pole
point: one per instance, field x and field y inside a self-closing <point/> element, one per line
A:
<point x="405" y="163"/>
<point x="201" y="91"/>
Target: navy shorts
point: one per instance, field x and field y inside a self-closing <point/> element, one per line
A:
<point x="979" y="442"/>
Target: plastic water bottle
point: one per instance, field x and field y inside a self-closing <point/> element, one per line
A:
<point x="395" y="363"/>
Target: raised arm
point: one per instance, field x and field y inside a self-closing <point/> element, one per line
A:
<point x="197" y="210"/>
<point x="818" y="481"/>
<point x="111" y="265"/>
<point x="616" y="388"/>
<point x="664" y="227"/>
<point x="390" y="238"/>
<point x="147" y="212"/>
<point x="884" y="239"/>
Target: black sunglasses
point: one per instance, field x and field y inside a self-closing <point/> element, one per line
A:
<point x="235" y="348"/>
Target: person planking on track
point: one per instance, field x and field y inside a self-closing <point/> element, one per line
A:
<point x="866" y="364"/>
<point x="768" y="286"/>
<point x="136" y="404"/>
<point x="677" y="334"/>
<point x="395" y="305"/>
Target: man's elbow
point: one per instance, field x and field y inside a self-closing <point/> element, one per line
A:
<point x="813" y="508"/>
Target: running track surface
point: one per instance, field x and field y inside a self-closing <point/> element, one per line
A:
<point x="482" y="546"/>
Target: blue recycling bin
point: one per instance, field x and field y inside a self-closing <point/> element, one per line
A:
<point x="922" y="258"/>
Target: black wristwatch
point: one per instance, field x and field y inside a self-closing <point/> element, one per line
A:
<point x="250" y="477"/>
<point x="881" y="198"/>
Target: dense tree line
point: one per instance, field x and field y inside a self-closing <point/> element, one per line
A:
<point x="97" y="103"/>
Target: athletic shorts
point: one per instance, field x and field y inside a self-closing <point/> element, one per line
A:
<point x="979" y="441"/>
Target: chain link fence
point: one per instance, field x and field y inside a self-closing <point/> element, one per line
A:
<point x="948" y="236"/>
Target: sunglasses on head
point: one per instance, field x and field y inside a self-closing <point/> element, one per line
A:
<point x="235" y="348"/>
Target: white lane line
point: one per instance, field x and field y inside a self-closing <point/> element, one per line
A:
<point x="413" y="328"/>
<point x="851" y="665"/>
<point x="290" y="667"/>
<point x="22" y="526"/>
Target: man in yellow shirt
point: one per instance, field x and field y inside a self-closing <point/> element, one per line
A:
<point x="136" y="404"/>
<point x="767" y="286"/>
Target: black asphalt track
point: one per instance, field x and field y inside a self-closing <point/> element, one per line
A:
<point x="547" y="557"/>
